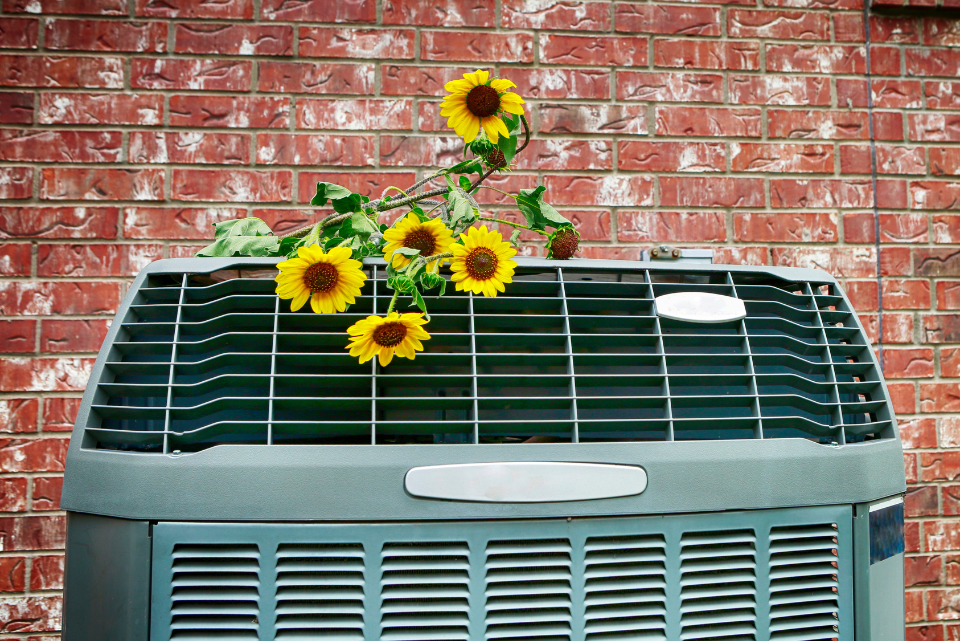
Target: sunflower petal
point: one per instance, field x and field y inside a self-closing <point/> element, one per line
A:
<point x="502" y="84"/>
<point x="472" y="129"/>
<point x="489" y="126"/>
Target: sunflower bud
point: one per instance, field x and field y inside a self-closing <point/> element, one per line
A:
<point x="495" y="159"/>
<point x="563" y="243"/>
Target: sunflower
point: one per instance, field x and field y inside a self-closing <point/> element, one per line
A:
<point x="482" y="263"/>
<point x="329" y="280"/>
<point x="398" y="334"/>
<point x="476" y="101"/>
<point x="431" y="237"/>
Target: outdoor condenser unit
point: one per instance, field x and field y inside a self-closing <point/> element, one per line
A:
<point x="607" y="451"/>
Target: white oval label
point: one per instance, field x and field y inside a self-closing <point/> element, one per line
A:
<point x="700" y="307"/>
<point x="525" y="481"/>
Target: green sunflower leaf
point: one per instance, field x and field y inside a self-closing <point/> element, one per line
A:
<point x="430" y="280"/>
<point x="509" y="145"/>
<point x="329" y="191"/>
<point x="358" y="225"/>
<point x="241" y="227"/>
<point x="539" y="214"/>
<point x="409" y="252"/>
<point x="465" y="183"/>
<point x="243" y="246"/>
<point x="419" y="302"/>
<point x="462" y="213"/>
<point x="471" y="166"/>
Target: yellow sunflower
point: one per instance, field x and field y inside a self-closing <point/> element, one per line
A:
<point x="398" y="334"/>
<point x="329" y="280"/>
<point x="482" y="263"/>
<point x="431" y="237"/>
<point x="476" y="101"/>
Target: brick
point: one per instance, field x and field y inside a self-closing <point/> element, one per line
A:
<point x="779" y="90"/>
<point x="189" y="147"/>
<point x="58" y="222"/>
<point x="62" y="335"/>
<point x="561" y="84"/>
<point x="943" y="605"/>
<point x="598" y="118"/>
<point x="320" y="10"/>
<point x="830" y="59"/>
<point x="848" y="27"/>
<point x="781" y="158"/>
<point x="942" y="95"/>
<point x="844" y="194"/>
<point x="556" y="15"/>
<point x="911" y="530"/>
<point x="233" y="185"/>
<point x="106" y="35"/>
<point x="95" y="260"/>
<point x="942" y="32"/>
<point x="903" y="397"/>
<point x="237" y="9"/>
<point x="941" y="328"/>
<point x="741" y="255"/>
<point x="649" y="226"/>
<point x="18" y="415"/>
<point x="683" y="191"/>
<point x="368" y="184"/>
<point x="574" y="155"/>
<point x="855" y="262"/>
<point x="948" y="294"/>
<point x="255" y="112"/>
<point x="476" y="46"/>
<point x="31" y="614"/>
<point x="895" y="261"/>
<point x="32" y="533"/>
<point x="950" y="362"/>
<point x="510" y="183"/>
<point x="918" y="433"/>
<point x="586" y="50"/>
<point x="376" y="44"/>
<point x="907" y="363"/>
<point x="891" y="159"/>
<point x="922" y="570"/>
<point x="88" y="7"/>
<point x="945" y="161"/>
<point x="665" y="19"/>
<point x="75" y="71"/>
<point x="706" y="54"/>
<point x="100" y="109"/>
<point x="59" y="414"/>
<point x="33" y="145"/>
<point x="814" y="4"/>
<point x="47" y="298"/>
<point x="44" y="375"/>
<point x="935" y="195"/>
<point x="932" y="62"/>
<point x="13" y="572"/>
<point x="19" y="33"/>
<point x="234" y="39"/>
<point x="671" y="156"/>
<point x="18" y="336"/>
<point x="940" y="397"/>
<point x="79" y="183"/>
<point x="181" y="73"/>
<point x="46" y="573"/>
<point x="46" y="493"/>
<point x="792" y="227"/>
<point x="16" y="183"/>
<point x="922" y="501"/>
<point x="669" y="87"/>
<point x="315" y="149"/>
<point x="897" y="94"/>
<point x="13" y="498"/>
<point x="940" y="466"/>
<point x="609" y="252"/>
<point x="863" y="295"/>
<point x="894" y="228"/>
<point x="885" y="61"/>
<point x="708" y="121"/>
<point x="174" y="223"/>
<point x="423" y="81"/>
<point x="16" y="108"/>
<point x="603" y="191"/>
<point x="785" y="25"/>
<point x="924" y="633"/>
<point x="283" y="220"/>
<point x="934" y="127"/>
<point x="299" y="77"/>
<point x="442" y="13"/>
<point x="913" y="606"/>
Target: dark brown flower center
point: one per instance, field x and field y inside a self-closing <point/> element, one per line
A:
<point x="390" y="334"/>
<point x="320" y="277"/>
<point x="421" y="239"/>
<point x="483" y="101"/>
<point x="496" y="159"/>
<point x="565" y="244"/>
<point x="481" y="263"/>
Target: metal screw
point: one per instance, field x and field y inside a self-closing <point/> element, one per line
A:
<point x="654" y="252"/>
<point x="676" y="253"/>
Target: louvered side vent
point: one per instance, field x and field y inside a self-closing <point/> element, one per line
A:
<point x="626" y="587"/>
<point x="215" y="592"/>
<point x="528" y="590"/>
<point x="804" y="598"/>
<point x="718" y="585"/>
<point x="425" y="589"/>
<point x="319" y="591"/>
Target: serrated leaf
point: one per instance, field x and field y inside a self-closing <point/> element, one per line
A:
<point x="515" y="236"/>
<point x="464" y="183"/>
<point x="508" y="145"/>
<point x="471" y="166"/>
<point x="241" y="227"/>
<point x="329" y="191"/>
<point x="539" y="214"/>
<point x="419" y="302"/>
<point x="256" y="246"/>
<point x="358" y="225"/>
<point x="462" y="214"/>
<point x="409" y="252"/>
<point x="430" y="280"/>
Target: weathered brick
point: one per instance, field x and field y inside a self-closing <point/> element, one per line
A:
<point x="578" y="15"/>
<point x="58" y="222"/>
<point x="16" y="108"/>
<point x="832" y="59"/>
<point x="59" y="413"/>
<point x="650" y="226"/>
<point x="234" y="185"/>
<point x="779" y="90"/>
<point x="934" y="127"/>
<point x="853" y="263"/>
<point x="794" y="25"/>
<point x="18" y="335"/>
<point x="945" y="161"/>
<point x="74" y="71"/>
<point x="419" y="80"/>
<point x="786" y="159"/>
<point x="209" y="74"/>
<point x="557" y="84"/>
<point x="708" y="121"/>
<point x="32" y="533"/>
<point x="863" y="295"/>
<point x="669" y="87"/>
<point x="368" y="184"/>
<point x="13" y="498"/>
<point x="894" y="228"/>
<point x="907" y="363"/>
<point x="442" y="13"/>
<point x="190" y="147"/>
<point x="82" y="183"/>
<point x="940" y="397"/>
<point x="706" y="54"/>
<point x="46" y="298"/>
<point x="844" y="194"/>
<point x="950" y="362"/>
<point x="571" y="118"/>
<point x="942" y="95"/>
<point x="234" y="39"/>
<point x="64" y="335"/>
<point x="922" y="500"/>
<point x="603" y="191"/>
<point x="894" y="160"/>
<point x="671" y="156"/>
<point x="848" y="27"/>
<point x="927" y="61"/>
<point x="44" y="374"/>
<point x="34" y="145"/>
<point x="18" y="415"/>
<point x="255" y="112"/>
<point x="941" y="328"/>
<point x="301" y="77"/>
<point x="16" y="183"/>
<point x="573" y="155"/>
<point x="100" y="109"/>
<point x="684" y="191"/>
<point x="19" y="33"/>
<point x="175" y="223"/>
<point x="948" y="294"/>
<point x="13" y="572"/>
<point x="315" y="149"/>
<point x="935" y="195"/>
<point x="95" y="260"/>
<point x="325" y="42"/>
<point x="922" y="570"/>
<point x="46" y="572"/>
<point x="559" y="49"/>
<point x="666" y="19"/>
<point x="225" y="9"/>
<point x="88" y="7"/>
<point x="789" y="227"/>
<point x="476" y="46"/>
<point x="106" y="35"/>
<point x="942" y="32"/>
<point x="913" y="606"/>
<point x="918" y="433"/>
<point x="903" y="397"/>
<point x="31" y="614"/>
<point x="510" y="183"/>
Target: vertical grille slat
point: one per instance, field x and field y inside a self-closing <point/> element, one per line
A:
<point x="804" y="586"/>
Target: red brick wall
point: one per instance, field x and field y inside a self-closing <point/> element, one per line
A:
<point x="128" y="126"/>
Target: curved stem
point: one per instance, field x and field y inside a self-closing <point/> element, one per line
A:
<point x="518" y="225"/>
<point x="393" y="204"/>
<point x="395" y="189"/>
<point x="393" y="301"/>
<point x="489" y="172"/>
<point x="496" y="190"/>
<point x="333" y="219"/>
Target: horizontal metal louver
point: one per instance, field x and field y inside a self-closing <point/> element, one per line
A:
<point x="764" y="575"/>
<point x="214" y="591"/>
<point x="425" y="592"/>
<point x="567" y="354"/>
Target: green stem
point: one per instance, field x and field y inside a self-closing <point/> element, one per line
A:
<point x="489" y="172"/>
<point x="393" y="204"/>
<point x="496" y="190"/>
<point x="323" y="224"/>
<point x="395" y="189"/>
<point x="518" y="225"/>
<point x="393" y="301"/>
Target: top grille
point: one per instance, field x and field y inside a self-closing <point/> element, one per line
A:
<point x="567" y="354"/>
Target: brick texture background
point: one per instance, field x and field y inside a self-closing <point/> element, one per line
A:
<point x="128" y="126"/>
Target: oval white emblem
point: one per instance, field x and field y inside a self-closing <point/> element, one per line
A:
<point x="700" y="307"/>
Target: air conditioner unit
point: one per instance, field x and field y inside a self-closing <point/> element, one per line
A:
<point x="607" y="451"/>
